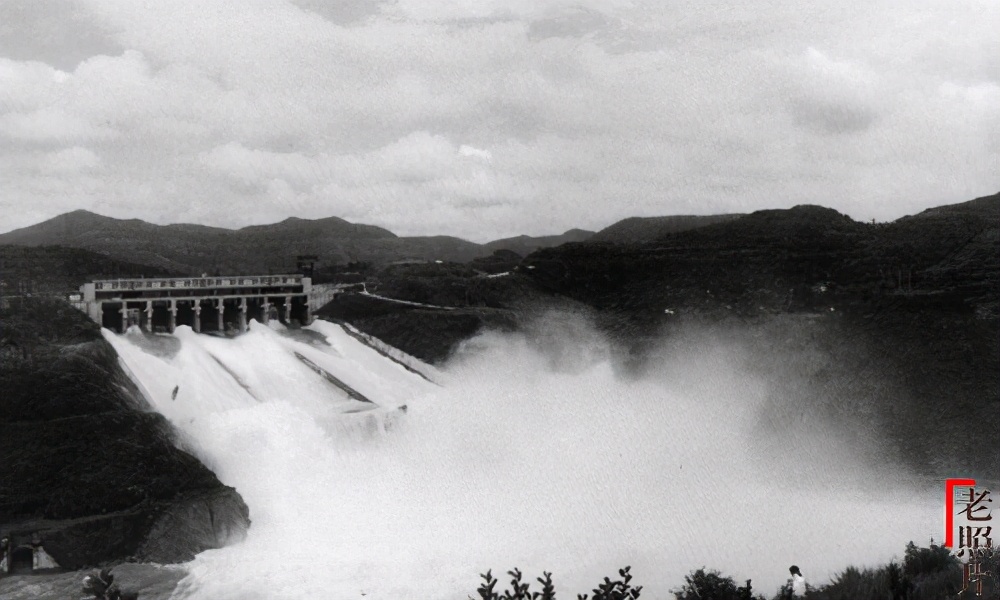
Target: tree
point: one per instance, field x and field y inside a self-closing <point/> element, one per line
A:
<point x="711" y="585"/>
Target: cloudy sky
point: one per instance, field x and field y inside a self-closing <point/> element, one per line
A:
<point x="488" y="118"/>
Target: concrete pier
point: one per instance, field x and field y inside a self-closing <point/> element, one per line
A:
<point x="164" y="304"/>
<point x="220" y="316"/>
<point x="172" y="316"/>
<point x="243" y="314"/>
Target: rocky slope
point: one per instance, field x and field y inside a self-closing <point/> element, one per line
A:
<point x="87" y="469"/>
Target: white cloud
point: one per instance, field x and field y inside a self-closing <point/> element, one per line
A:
<point x="834" y="96"/>
<point x="71" y="160"/>
<point x="51" y="124"/>
<point x="475" y="153"/>
<point x="459" y="10"/>
<point x="486" y="119"/>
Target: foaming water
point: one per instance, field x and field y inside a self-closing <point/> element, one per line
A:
<point x="531" y="452"/>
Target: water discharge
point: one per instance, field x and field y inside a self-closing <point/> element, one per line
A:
<point x="532" y="451"/>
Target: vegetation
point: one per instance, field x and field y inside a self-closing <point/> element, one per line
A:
<point x="443" y="284"/>
<point x="931" y="573"/>
<point x="704" y="585"/>
<point x="618" y="589"/>
<point x="57" y="270"/>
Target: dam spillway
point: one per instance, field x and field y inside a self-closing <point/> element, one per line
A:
<point x="203" y="303"/>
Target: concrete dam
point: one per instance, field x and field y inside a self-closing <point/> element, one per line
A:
<point x="203" y="303"/>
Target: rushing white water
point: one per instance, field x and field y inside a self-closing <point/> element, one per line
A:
<point x="528" y="451"/>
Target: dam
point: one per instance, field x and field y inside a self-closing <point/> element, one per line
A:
<point x="205" y="304"/>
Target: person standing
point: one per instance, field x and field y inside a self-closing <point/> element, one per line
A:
<point x="798" y="582"/>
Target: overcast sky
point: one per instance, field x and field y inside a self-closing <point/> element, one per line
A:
<point x="491" y="118"/>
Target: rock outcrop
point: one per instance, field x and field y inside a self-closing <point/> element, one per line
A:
<point x="195" y="523"/>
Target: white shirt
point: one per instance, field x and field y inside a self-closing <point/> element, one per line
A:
<point x="798" y="585"/>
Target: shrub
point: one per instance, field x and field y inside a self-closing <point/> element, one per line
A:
<point x="931" y="573"/>
<point x="711" y="585"/>
<point x="620" y="589"/>
<point x="927" y="561"/>
<point x="857" y="584"/>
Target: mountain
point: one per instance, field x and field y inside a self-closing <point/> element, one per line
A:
<point x="193" y="249"/>
<point x="525" y="245"/>
<point x="635" y="230"/>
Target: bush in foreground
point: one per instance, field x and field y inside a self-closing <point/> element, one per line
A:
<point x="931" y="573"/>
<point x="620" y="589"/>
<point x="705" y="585"/>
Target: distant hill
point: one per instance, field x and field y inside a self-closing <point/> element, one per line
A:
<point x="756" y="260"/>
<point x="525" y="245"/>
<point x="193" y="249"/>
<point x="635" y="230"/>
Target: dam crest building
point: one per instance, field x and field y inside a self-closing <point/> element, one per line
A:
<point x="203" y="303"/>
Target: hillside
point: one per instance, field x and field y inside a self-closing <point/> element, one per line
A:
<point x="904" y="315"/>
<point x="56" y="270"/>
<point x="444" y="304"/>
<point x="88" y="469"/>
<point x="524" y="244"/>
<point x="635" y="230"/>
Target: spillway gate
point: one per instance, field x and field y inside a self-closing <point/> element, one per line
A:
<point x="203" y="303"/>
